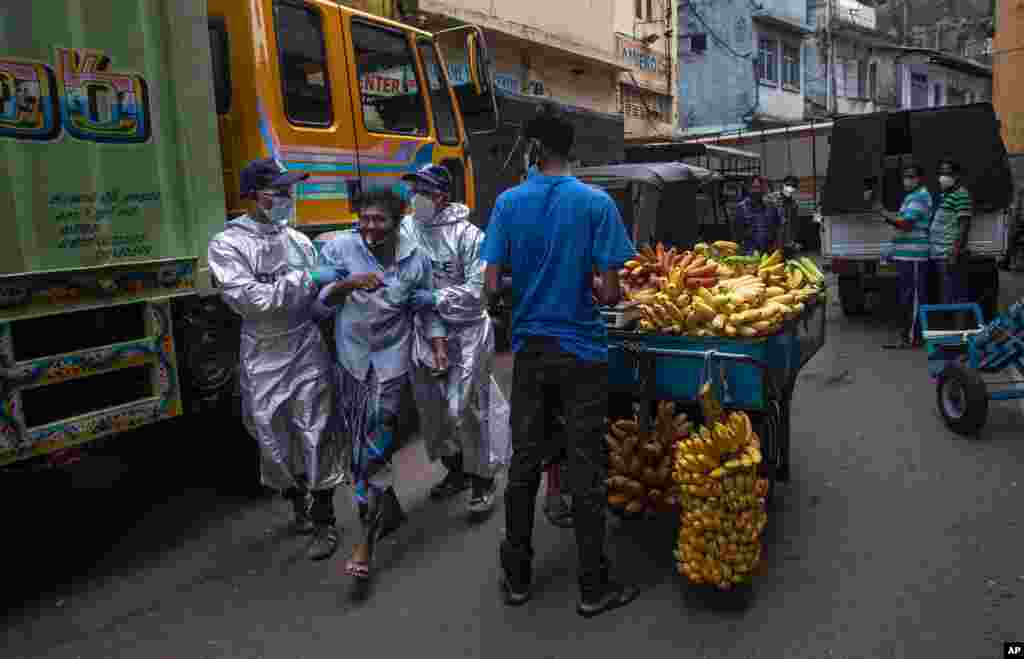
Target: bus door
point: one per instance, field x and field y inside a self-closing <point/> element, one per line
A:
<point x="311" y="126"/>
<point x="392" y="126"/>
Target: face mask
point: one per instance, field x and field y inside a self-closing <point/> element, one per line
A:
<point x="946" y="181"/>
<point x="381" y="238"/>
<point x="788" y="190"/>
<point x="281" y="212"/>
<point x="423" y="208"/>
<point x="910" y="183"/>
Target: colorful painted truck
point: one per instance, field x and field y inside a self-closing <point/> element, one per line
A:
<point x="123" y="128"/>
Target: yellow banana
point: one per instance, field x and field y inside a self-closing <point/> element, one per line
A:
<point x="772" y="260"/>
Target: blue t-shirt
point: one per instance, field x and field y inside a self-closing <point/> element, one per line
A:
<point x="553" y="231"/>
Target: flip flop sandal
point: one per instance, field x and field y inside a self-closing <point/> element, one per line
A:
<point x="357" y="570"/>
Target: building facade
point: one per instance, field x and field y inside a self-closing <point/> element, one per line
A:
<point x="563" y="53"/>
<point x="643" y="44"/>
<point x="741" y="64"/>
<point x="870" y="71"/>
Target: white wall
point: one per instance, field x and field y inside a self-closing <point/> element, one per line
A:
<point x="980" y="88"/>
<point x="588" y="22"/>
<point x="594" y="89"/>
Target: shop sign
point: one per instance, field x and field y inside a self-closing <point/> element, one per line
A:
<point x="639" y="58"/>
<point x="507" y="82"/>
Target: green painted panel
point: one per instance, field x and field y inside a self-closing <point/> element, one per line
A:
<point x="108" y="138"/>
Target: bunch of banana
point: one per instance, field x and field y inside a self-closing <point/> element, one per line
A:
<point x="721" y="496"/>
<point x="712" y="453"/>
<point x="711" y="291"/>
<point x="719" y="549"/>
<point x="650" y="269"/>
<point x="640" y="475"/>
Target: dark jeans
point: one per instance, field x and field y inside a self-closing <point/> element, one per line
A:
<point x="913" y="292"/>
<point x="952" y="282"/>
<point x="953" y="290"/>
<point x="543" y="372"/>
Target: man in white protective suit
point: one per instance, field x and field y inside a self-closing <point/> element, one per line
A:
<point x="267" y="273"/>
<point x="454" y="408"/>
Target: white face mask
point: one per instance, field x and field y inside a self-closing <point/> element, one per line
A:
<point x="282" y="211"/>
<point x="788" y="190"/>
<point x="946" y="182"/>
<point x="423" y="208"/>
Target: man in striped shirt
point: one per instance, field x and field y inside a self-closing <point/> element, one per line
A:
<point x="910" y="251"/>
<point x="950" y="227"/>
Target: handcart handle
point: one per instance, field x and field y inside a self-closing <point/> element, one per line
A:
<point x="926" y="309"/>
<point x="699" y="354"/>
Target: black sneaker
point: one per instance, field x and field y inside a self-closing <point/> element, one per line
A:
<point x="516" y="575"/>
<point x="454" y="483"/>
<point x="324" y="543"/>
<point x="607" y="598"/>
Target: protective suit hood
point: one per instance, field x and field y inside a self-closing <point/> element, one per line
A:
<point x="248" y="223"/>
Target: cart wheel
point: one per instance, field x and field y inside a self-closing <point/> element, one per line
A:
<point x="962" y="398"/>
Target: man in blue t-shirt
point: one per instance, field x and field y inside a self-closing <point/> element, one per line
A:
<point x="564" y="243"/>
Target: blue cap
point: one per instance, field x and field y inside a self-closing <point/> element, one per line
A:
<point x="267" y="173"/>
<point x="433" y="177"/>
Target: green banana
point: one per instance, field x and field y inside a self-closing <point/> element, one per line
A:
<point x="814" y="273"/>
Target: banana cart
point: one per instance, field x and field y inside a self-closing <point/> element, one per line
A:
<point x="957" y="359"/>
<point x="756" y="375"/>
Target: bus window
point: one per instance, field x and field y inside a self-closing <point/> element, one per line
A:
<point x="300" y="42"/>
<point x="219" y="52"/>
<point x="386" y="67"/>
<point x="440" y="100"/>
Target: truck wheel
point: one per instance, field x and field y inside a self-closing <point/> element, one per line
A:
<point x="851" y="295"/>
<point x="962" y="398"/>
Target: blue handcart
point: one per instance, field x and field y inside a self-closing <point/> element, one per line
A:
<point x="958" y="358"/>
<point x="756" y="375"/>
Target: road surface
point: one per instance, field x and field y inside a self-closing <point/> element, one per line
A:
<point x="894" y="539"/>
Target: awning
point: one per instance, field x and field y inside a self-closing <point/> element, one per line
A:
<point x="656" y="174"/>
<point x="790" y="25"/>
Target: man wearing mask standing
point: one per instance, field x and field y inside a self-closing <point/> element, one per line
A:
<point x="910" y="251"/>
<point x="790" y="212"/>
<point x="554" y="231"/>
<point x="267" y="274"/>
<point x="950" y="228"/>
<point x="761" y="224"/>
<point x="454" y="409"/>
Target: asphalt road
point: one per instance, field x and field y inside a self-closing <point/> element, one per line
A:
<point x="894" y="539"/>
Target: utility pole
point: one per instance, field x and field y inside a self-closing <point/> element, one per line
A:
<point x="673" y="28"/>
<point x="830" y="71"/>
